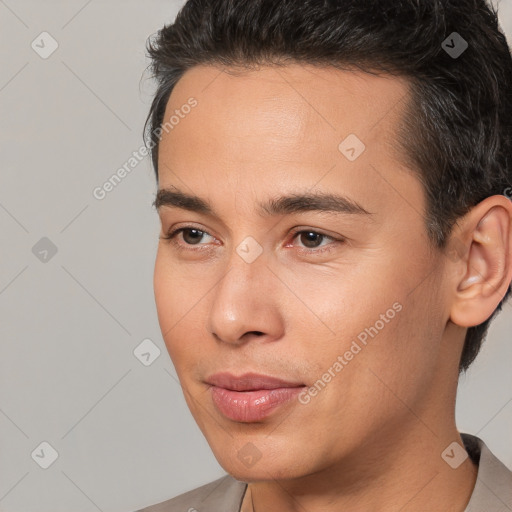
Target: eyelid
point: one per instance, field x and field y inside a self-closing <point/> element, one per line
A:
<point x="316" y="251"/>
<point x="172" y="233"/>
<point x="296" y="231"/>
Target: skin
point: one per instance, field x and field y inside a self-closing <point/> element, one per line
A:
<point x="372" y="438"/>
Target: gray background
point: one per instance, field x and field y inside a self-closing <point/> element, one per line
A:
<point x="69" y="323"/>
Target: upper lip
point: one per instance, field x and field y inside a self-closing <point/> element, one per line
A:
<point x="249" y="382"/>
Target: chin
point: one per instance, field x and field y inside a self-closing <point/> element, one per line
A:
<point x="260" y="474"/>
<point x="249" y="465"/>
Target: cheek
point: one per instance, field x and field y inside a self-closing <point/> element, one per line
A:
<point x="182" y="299"/>
<point x="342" y="304"/>
<point x="165" y="298"/>
<point x="173" y="303"/>
<point x="379" y="328"/>
<point x="401" y="359"/>
<point x="176" y="295"/>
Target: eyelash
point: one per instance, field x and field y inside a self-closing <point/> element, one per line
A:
<point x="170" y="237"/>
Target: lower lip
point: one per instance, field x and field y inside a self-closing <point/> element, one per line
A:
<point x="251" y="406"/>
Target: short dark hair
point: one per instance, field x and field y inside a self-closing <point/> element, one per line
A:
<point x="456" y="132"/>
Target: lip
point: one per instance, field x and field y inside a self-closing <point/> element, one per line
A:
<point x="249" y="382"/>
<point x="250" y="397"/>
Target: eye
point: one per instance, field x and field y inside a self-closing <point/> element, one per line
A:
<point x="310" y="238"/>
<point x="312" y="241"/>
<point x="191" y="235"/>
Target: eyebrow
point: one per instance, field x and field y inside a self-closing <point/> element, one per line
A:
<point x="284" y="205"/>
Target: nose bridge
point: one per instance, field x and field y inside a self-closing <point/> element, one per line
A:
<point x="241" y="300"/>
<point x="246" y="264"/>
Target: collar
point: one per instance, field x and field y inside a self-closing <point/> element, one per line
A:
<point x="493" y="487"/>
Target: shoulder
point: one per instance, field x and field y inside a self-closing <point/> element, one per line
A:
<point x="493" y="488"/>
<point x="222" y="495"/>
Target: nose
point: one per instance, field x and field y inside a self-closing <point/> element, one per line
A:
<point x="245" y="303"/>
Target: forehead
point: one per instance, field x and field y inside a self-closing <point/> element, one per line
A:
<point x="278" y="125"/>
<point x="295" y="92"/>
<point x="289" y="105"/>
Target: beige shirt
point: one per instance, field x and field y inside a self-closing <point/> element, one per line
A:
<point x="492" y="492"/>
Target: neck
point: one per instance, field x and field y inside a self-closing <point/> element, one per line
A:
<point x="405" y="473"/>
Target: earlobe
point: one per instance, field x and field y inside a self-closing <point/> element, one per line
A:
<point x="487" y="265"/>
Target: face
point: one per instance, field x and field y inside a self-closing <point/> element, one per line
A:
<point x="335" y="294"/>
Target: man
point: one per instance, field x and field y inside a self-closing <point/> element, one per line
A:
<point x="333" y="189"/>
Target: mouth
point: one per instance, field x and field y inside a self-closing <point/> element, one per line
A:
<point x="250" y="397"/>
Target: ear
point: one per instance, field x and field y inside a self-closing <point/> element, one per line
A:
<point x="481" y="261"/>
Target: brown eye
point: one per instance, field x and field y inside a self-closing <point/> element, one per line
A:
<point x="194" y="235"/>
<point x="310" y="239"/>
<point x="314" y="243"/>
<point x="191" y="236"/>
